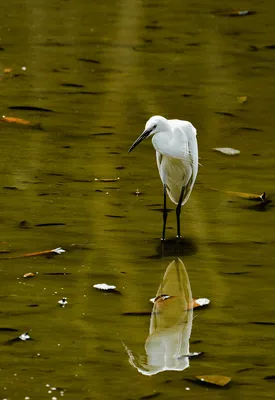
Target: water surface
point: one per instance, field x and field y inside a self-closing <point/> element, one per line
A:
<point x="103" y="70"/>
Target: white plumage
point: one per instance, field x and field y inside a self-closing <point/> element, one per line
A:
<point x="176" y="148"/>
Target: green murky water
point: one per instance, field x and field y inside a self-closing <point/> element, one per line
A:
<point x="103" y="70"/>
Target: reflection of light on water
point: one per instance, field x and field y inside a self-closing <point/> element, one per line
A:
<point x="167" y="346"/>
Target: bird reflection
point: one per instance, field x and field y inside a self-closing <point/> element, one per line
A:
<point x="167" y="346"/>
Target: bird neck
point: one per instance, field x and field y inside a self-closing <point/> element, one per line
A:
<point x="161" y="141"/>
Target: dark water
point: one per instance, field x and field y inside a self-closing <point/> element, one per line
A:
<point x="104" y="69"/>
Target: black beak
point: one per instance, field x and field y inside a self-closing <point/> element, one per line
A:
<point x="143" y="136"/>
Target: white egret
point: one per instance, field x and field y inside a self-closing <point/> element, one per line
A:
<point x="176" y="148"/>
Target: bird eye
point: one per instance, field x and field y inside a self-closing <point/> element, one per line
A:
<point x="154" y="127"/>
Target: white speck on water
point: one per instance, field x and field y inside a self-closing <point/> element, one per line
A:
<point x="63" y="301"/>
<point x="104" y="286"/>
<point x="48" y="385"/>
<point x="49" y="391"/>
<point x="24" y="336"/>
<point x="187" y="388"/>
<point x="24" y="69"/>
<point x="53" y="388"/>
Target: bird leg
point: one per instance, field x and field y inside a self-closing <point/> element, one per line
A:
<point x="178" y="210"/>
<point x="164" y="212"/>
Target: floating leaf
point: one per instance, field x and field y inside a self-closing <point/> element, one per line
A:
<point x="200" y="302"/>
<point x="242" y="99"/>
<point x="58" y="250"/>
<point x="7" y="70"/>
<point x="227" y="150"/>
<point x="247" y="196"/>
<point x="29" y="275"/>
<point x="217" y="380"/>
<point x="15" y="120"/>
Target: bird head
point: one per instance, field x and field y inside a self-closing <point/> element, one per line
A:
<point x="154" y="125"/>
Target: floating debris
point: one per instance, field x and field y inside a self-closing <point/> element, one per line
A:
<point x="63" y="302"/>
<point x="160" y="298"/>
<point x="242" y="99"/>
<point x="226" y="114"/>
<point x="200" y="302"/>
<point x="24" y="225"/>
<point x="137" y="193"/>
<point x="107" y="180"/>
<point x="72" y="85"/>
<point x="217" y="380"/>
<point x="227" y="150"/>
<point x="24" y="336"/>
<point x="52" y="224"/>
<point x="89" y="60"/>
<point x="20" y="121"/>
<point x="248" y="196"/>
<point x="58" y="250"/>
<point x="104" y="286"/>
<point x="234" y="13"/>
<point x="29" y="275"/>
<point x="30" y="108"/>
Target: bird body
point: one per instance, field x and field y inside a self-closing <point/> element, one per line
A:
<point x="176" y="148"/>
<point x="177" y="158"/>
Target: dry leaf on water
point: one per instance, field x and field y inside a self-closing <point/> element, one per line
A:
<point x="247" y="196"/>
<point x="200" y="302"/>
<point x="217" y="380"/>
<point x="20" y="121"/>
<point x="29" y="275"/>
<point x="58" y="250"/>
<point x="227" y="150"/>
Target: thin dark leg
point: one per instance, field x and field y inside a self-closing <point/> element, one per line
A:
<point x="164" y="212"/>
<point x="178" y="210"/>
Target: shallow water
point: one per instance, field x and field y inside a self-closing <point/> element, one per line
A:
<point x="131" y="60"/>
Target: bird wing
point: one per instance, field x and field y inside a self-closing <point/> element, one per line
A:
<point x="187" y="148"/>
<point x="187" y="132"/>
